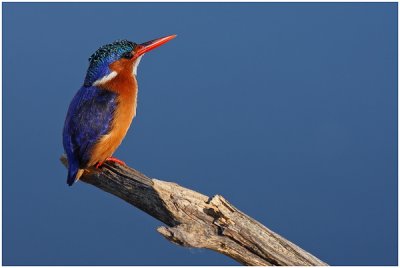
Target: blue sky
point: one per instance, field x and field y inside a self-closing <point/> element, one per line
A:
<point x="288" y="110"/>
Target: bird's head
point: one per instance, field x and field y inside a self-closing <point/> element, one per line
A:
<point x="119" y="57"/>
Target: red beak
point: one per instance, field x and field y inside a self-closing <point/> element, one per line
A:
<point x="150" y="45"/>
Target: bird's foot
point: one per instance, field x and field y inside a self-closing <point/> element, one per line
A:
<point x="116" y="160"/>
<point x="111" y="159"/>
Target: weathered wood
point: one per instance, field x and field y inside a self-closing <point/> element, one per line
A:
<point x="196" y="220"/>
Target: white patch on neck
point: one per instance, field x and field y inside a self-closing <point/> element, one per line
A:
<point x="134" y="70"/>
<point x="105" y="78"/>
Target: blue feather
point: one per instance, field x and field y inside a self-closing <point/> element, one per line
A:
<point x="89" y="117"/>
<point x="100" y="61"/>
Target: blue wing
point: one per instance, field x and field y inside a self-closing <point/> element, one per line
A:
<point x="89" y="117"/>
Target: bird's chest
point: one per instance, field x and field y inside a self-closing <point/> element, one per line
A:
<point x="123" y="115"/>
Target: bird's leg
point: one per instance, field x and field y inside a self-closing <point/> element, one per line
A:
<point x="115" y="160"/>
<point x="99" y="164"/>
<point x="111" y="159"/>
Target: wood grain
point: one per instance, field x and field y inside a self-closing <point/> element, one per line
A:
<point x="196" y="220"/>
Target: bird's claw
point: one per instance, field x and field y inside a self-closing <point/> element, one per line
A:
<point x="111" y="159"/>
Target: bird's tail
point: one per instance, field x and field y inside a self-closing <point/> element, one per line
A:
<point x="74" y="173"/>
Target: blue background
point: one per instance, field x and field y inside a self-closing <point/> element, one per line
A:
<point x="287" y="110"/>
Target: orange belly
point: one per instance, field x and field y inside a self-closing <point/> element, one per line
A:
<point x="123" y="116"/>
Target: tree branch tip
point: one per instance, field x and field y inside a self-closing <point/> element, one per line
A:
<point x="169" y="234"/>
<point x="64" y="160"/>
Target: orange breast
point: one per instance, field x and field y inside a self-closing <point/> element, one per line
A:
<point x="125" y="85"/>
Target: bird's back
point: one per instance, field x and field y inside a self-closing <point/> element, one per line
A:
<point x="89" y="118"/>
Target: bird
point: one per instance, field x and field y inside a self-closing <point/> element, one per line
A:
<point x="102" y="110"/>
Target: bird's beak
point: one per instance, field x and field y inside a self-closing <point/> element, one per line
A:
<point x="150" y="45"/>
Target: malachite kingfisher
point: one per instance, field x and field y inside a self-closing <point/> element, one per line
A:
<point x="102" y="110"/>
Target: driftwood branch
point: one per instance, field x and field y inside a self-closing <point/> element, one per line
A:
<point x="195" y="220"/>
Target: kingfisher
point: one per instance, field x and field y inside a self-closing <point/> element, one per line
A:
<point x="102" y="110"/>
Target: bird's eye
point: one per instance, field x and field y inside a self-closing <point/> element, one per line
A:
<point x="127" y="55"/>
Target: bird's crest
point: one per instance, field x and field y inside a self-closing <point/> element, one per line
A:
<point x="104" y="56"/>
<point x="117" y="47"/>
